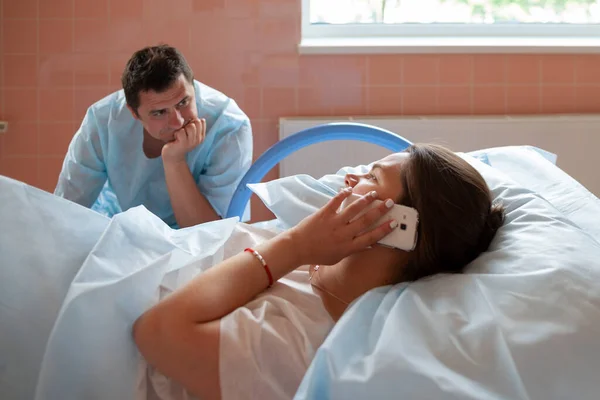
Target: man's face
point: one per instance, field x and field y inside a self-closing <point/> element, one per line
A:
<point x="164" y="113"/>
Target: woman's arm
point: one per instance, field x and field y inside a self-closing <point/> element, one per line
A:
<point x="180" y="335"/>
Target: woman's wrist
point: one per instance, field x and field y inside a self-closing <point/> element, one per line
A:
<point x="282" y="254"/>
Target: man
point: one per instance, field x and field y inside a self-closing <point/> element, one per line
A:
<point x="165" y="141"/>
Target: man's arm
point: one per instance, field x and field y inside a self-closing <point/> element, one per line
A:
<point x="205" y="198"/>
<point x="189" y="205"/>
<point x="83" y="172"/>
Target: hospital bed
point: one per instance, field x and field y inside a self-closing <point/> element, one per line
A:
<point x="522" y="323"/>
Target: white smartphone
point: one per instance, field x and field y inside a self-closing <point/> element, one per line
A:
<point x="404" y="236"/>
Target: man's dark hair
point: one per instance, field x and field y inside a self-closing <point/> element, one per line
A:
<point x="155" y="69"/>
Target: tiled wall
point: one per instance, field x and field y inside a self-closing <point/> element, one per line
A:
<point x="59" y="56"/>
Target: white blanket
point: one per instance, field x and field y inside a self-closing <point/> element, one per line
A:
<point x="43" y="242"/>
<point x="73" y="282"/>
<point x="137" y="259"/>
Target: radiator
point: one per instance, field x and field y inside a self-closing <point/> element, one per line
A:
<point x="575" y="139"/>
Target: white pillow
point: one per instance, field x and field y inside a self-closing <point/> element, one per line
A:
<point x="293" y="198"/>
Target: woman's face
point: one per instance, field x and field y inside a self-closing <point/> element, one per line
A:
<point x="384" y="178"/>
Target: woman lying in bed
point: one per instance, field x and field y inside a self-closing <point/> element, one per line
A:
<point x="228" y="334"/>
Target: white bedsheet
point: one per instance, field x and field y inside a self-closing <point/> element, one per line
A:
<point x="73" y="282"/>
<point x="136" y="259"/>
<point x="43" y="242"/>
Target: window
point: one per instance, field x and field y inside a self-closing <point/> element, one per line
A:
<point x="450" y="25"/>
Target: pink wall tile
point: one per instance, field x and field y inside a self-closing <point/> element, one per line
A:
<point x="91" y="36"/>
<point x="274" y="35"/>
<point x="235" y="36"/>
<point x="419" y="100"/>
<point x="73" y="53"/>
<point x="91" y="9"/>
<point x="456" y="69"/>
<point x="558" y="69"/>
<point x="348" y="100"/>
<point x="587" y="99"/>
<point x="385" y="100"/>
<point x="173" y="33"/>
<point x="83" y="98"/>
<point x="454" y="100"/>
<point x="278" y="102"/>
<point x="276" y="8"/>
<point x="126" y="36"/>
<point x="489" y="100"/>
<point x="130" y="9"/>
<point x="558" y="99"/>
<point x="56" y="70"/>
<point x="242" y="8"/>
<point x="489" y="69"/>
<point x="90" y="69"/>
<point x="20" y="8"/>
<point x="251" y="103"/>
<point x="523" y="100"/>
<point x="20" y="105"/>
<point x="385" y="70"/>
<point x="313" y="101"/>
<point x="116" y="66"/>
<point x="56" y="36"/>
<point x="24" y="169"/>
<point x="348" y="70"/>
<point x="160" y="10"/>
<point x="48" y="171"/>
<point x="523" y="69"/>
<point x="276" y="70"/>
<point x="56" y="9"/>
<point x="22" y="141"/>
<point x="587" y="69"/>
<point x="224" y="71"/>
<point x="234" y="91"/>
<point x="254" y="70"/>
<point x="208" y="5"/>
<point x="316" y="70"/>
<point x="19" y="36"/>
<point x="54" y="138"/>
<point x="20" y="70"/>
<point x="56" y="105"/>
<point x="419" y="70"/>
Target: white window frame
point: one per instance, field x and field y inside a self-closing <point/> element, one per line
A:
<point x="445" y="38"/>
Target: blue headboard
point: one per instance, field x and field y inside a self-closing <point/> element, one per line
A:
<point x="297" y="141"/>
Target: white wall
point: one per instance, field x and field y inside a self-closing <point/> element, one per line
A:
<point x="575" y="139"/>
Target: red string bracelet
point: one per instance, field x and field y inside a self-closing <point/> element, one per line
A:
<point x="263" y="262"/>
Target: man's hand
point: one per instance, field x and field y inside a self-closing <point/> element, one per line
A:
<point x="186" y="139"/>
<point x="189" y="205"/>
